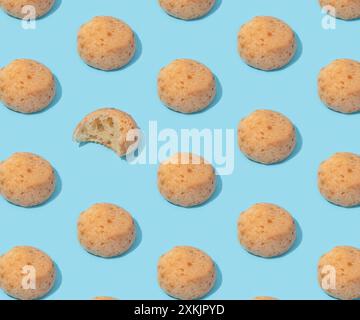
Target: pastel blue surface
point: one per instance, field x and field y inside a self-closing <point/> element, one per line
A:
<point x="91" y="173"/>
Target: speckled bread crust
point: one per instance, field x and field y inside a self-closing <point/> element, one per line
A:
<point x="186" y="273"/>
<point x="106" y="43"/>
<point x="104" y="298"/>
<point x="266" y="230"/>
<point x="26" y="86"/>
<point x="265" y="298"/>
<point x="186" y="180"/>
<point x="14" y="7"/>
<point x="345" y="9"/>
<point x="339" y="85"/>
<point x="344" y="262"/>
<point x="186" y="86"/>
<point x="106" y="230"/>
<point x="26" y="179"/>
<point x="187" y="9"/>
<point x="110" y="127"/>
<point x="266" y="137"/>
<point x="339" y="179"/>
<point x="266" y="43"/>
<point x="12" y="273"/>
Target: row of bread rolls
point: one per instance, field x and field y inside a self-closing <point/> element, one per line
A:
<point x="182" y="9"/>
<point x="265" y="136"/>
<point x="106" y="230"/>
<point x="184" y="85"/>
<point x="184" y="272"/>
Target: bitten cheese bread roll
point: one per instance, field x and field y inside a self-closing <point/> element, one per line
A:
<point x="111" y="128"/>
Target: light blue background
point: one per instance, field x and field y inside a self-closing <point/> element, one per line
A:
<point x="94" y="174"/>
